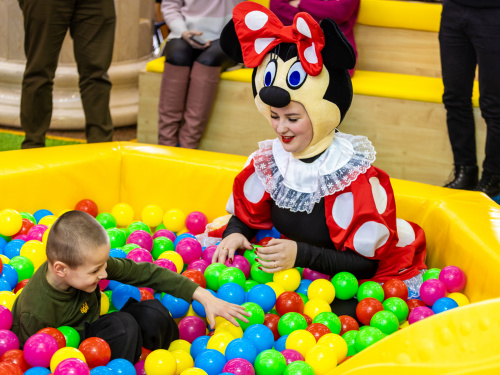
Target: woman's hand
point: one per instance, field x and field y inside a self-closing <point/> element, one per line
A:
<point x="186" y="35"/>
<point x="278" y="255"/>
<point x="228" y="246"/>
<point x="217" y="307"/>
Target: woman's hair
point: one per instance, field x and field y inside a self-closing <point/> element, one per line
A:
<point x="73" y="236"/>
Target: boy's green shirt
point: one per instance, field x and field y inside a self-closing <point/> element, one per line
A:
<point x="40" y="305"/>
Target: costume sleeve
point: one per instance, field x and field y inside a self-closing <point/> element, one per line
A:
<point x="28" y="325"/>
<point x="362" y="217"/>
<point x="152" y="276"/>
<point x="338" y="10"/>
<point x="171" y="11"/>
<point x="235" y="225"/>
<point x="330" y="261"/>
<point x="283" y="10"/>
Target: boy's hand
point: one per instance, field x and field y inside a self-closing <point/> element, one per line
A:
<point x="217" y="307"/>
<point x="228" y="247"/>
<point x="277" y="255"/>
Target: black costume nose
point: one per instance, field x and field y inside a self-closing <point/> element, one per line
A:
<point x="275" y="96"/>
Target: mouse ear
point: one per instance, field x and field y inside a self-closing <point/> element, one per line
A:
<point x="230" y="43"/>
<point x="337" y="52"/>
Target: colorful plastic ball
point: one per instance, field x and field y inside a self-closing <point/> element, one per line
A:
<point x="5" y="286"/>
<point x="194" y="371"/>
<point x="260" y="276"/>
<point x="289" y="302"/>
<point x="37" y="232"/>
<point x="280" y="344"/>
<point x="160" y="245"/>
<point x="199" y="265"/>
<point x="370" y="289"/>
<point x="212" y="275"/>
<point x="454" y="278"/>
<point x="322" y="359"/>
<point x="140" y="255"/>
<point x="348" y="324"/>
<point x="23" y="266"/>
<point x="395" y="288"/>
<point x="96" y="352"/>
<point x="39" y="349"/>
<point x="238" y="366"/>
<point x="412" y="303"/>
<point x="318" y="330"/>
<point x="48" y="221"/>
<point x="208" y="253"/>
<point x="7" y="368"/>
<point x="72" y="366"/>
<point x="189" y="249"/>
<point x="7" y="299"/>
<point x="8" y="341"/>
<point x="251" y="256"/>
<point x="299" y="368"/>
<point x="337" y="343"/>
<point x="123" y="213"/>
<point x="232" y="293"/>
<point x="312" y="275"/>
<point x="385" y="321"/>
<point x="241" y="263"/>
<point x="303" y="286"/>
<point x="88" y="206"/>
<point x="178" y="344"/>
<point x="65" y="353"/>
<point x="10" y="222"/>
<point x="176" y="258"/>
<point x="459" y="298"/>
<point x="123" y="293"/>
<point x="13" y="248"/>
<point x="419" y="313"/>
<point x="190" y="328"/>
<point x="152" y="215"/>
<point x="271" y="321"/>
<point x="432" y="273"/>
<point x="263" y="295"/>
<point x="165" y="233"/>
<point x="256" y="315"/>
<point x="25" y="227"/>
<point x="432" y="290"/>
<point x="106" y="220"/>
<point x="182" y="236"/>
<point x="368" y="337"/>
<point x="136" y="226"/>
<point x="288" y="279"/>
<point x="71" y="335"/>
<point x="139" y="368"/>
<point x="56" y="334"/>
<point x="183" y="360"/>
<point x="117" y="253"/>
<point x="260" y="336"/>
<point x="241" y="348"/>
<point x="38" y="215"/>
<point x="5" y="318"/>
<point x="231" y="275"/>
<point x="160" y="362"/>
<point x="34" y="251"/>
<point x="444" y="304"/>
<point x="270" y="362"/>
<point x="366" y="308"/>
<point x="345" y="284"/>
<point x="350" y="340"/>
<point x="127" y="248"/>
<point x="278" y="289"/>
<point x="314" y="307"/>
<point x="321" y="289"/>
<point x="116" y="237"/>
<point x="198" y="346"/>
<point x="330" y="320"/>
<point x="301" y="341"/>
<point x="177" y="306"/>
<point x="198" y="307"/>
<point x="174" y="220"/>
<point x="39" y="371"/>
<point x="141" y="238"/>
<point x="249" y="284"/>
<point x="292" y="356"/>
<point x="122" y="366"/>
<point x="211" y="361"/>
<point x="196" y="222"/>
<point x="398" y="307"/>
<point x="291" y="322"/>
<point x="197" y="277"/>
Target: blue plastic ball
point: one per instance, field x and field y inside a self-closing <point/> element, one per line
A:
<point x="13" y="248"/>
<point x="117" y="253"/>
<point x="121" y="366"/>
<point x="198" y="345"/>
<point x="177" y="306"/>
<point x="40" y="214"/>
<point x="263" y="295"/>
<point x="232" y="293"/>
<point x="182" y="236"/>
<point x="9" y="274"/>
<point x="38" y="371"/>
<point x="3" y="243"/>
<point x="198" y="307"/>
<point x="113" y="284"/>
<point x="267" y="233"/>
<point x="123" y="293"/>
<point x="5" y="286"/>
<point x="279" y="344"/>
<point x="303" y="286"/>
<point x="102" y="370"/>
<point x="260" y="336"/>
<point x="211" y="361"/>
<point x="241" y="348"/>
<point x="444" y="304"/>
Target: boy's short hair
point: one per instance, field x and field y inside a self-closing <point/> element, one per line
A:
<point x="72" y="236"/>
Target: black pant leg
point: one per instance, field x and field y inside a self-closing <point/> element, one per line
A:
<point x="215" y="56"/>
<point x="178" y="52"/>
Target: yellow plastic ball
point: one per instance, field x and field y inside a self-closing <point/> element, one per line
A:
<point x="278" y="289"/>
<point x="182" y="231"/>
<point x="48" y="220"/>
<point x="34" y="251"/>
<point x="5" y="259"/>
<point x="321" y="289"/>
<point x="301" y="341"/>
<point x="180" y="345"/>
<point x="152" y="215"/>
<point x="104" y="304"/>
<point x="10" y="222"/>
<point x="193" y="371"/>
<point x="220" y="342"/>
<point x="288" y="279"/>
<point x="183" y="359"/>
<point x="322" y="358"/>
<point x="315" y="306"/>
<point x="227" y="326"/>
<point x="45" y="236"/>
<point x="160" y="362"/>
<point x="7" y="299"/>
<point x="65" y="353"/>
<point x="123" y="213"/>
<point x="459" y="298"/>
<point x="175" y="258"/>
<point x="337" y="343"/>
<point x="404" y="324"/>
<point x="18" y="293"/>
<point x="174" y="220"/>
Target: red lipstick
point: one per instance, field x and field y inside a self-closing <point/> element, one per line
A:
<point x="287" y="139"/>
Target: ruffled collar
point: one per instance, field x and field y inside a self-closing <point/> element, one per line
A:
<point x="298" y="186"/>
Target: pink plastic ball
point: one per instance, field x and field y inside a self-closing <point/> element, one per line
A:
<point x="36" y="232"/>
<point x="139" y="368"/>
<point x="209" y="253"/>
<point x="241" y="263"/>
<point x="454" y="278"/>
<point x="189" y="249"/>
<point x="165" y="233"/>
<point x="166" y="263"/>
<point x="103" y="284"/>
<point x="141" y="238"/>
<point x="191" y="327"/>
<point x="39" y="349"/>
<point x="5" y="318"/>
<point x="23" y="237"/>
<point x="199" y="265"/>
<point x="8" y="341"/>
<point x="140" y="255"/>
<point x="72" y="366"/>
<point x="292" y="356"/>
<point x="431" y="290"/>
<point x="196" y="222"/>
<point x="419" y="313"/>
<point x="313" y="275"/>
<point x="239" y="366"/>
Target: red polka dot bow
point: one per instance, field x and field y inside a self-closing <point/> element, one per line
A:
<point x="259" y="31"/>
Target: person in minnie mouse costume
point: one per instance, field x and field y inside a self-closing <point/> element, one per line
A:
<point x="317" y="186"/>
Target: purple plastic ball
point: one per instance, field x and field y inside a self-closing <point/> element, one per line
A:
<point x="191" y="327"/>
<point x="39" y="349"/>
<point x="141" y="238"/>
<point x="208" y="254"/>
<point x="73" y="366"/>
<point x="139" y="368"/>
<point x="239" y="366"/>
<point x="196" y="222"/>
<point x="419" y="313"/>
<point x="313" y="275"/>
<point x="140" y="255"/>
<point x="292" y="356"/>
<point x="22" y="237"/>
<point x="36" y="232"/>
<point x="241" y="263"/>
<point x="5" y="318"/>
<point x="166" y="263"/>
<point x="454" y="278"/>
<point x="189" y="249"/>
<point x="8" y="341"/>
<point x="165" y="233"/>
<point x="431" y="290"/>
<point x="199" y="265"/>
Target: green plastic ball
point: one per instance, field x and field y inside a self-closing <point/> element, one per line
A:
<point x="232" y="275"/>
<point x="345" y="284"/>
<point x="370" y="289"/>
<point x="6" y="238"/>
<point x="432" y="273"/>
<point x="27" y="215"/>
<point x="23" y="266"/>
<point x="398" y="307"/>
<point x="270" y="362"/>
<point x="301" y="270"/>
<point x="212" y="273"/>
<point x="260" y="276"/>
<point x="160" y="227"/>
<point x="161" y="244"/>
<point x="250" y="256"/>
<point x="137" y="225"/>
<point x="298" y="368"/>
<point x="257" y="315"/>
<point x="71" y="335"/>
<point x="290" y="322"/>
<point x="304" y="297"/>
<point x="329" y="319"/>
<point x="367" y="337"/>
<point x="249" y="284"/>
<point x="350" y="339"/>
<point x="386" y="321"/>
<point x="129" y="247"/>
<point x="108" y="294"/>
<point x="116" y="237"/>
<point x="106" y="220"/>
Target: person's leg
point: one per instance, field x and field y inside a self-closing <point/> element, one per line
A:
<point x="458" y="64"/>
<point x="203" y="84"/>
<point x="179" y="57"/>
<point x="45" y="26"/>
<point x="121" y="331"/>
<point x="93" y="32"/>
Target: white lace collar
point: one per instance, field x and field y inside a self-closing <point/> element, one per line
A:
<point x="298" y="186"/>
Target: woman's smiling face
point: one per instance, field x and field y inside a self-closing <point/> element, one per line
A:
<point x="293" y="126"/>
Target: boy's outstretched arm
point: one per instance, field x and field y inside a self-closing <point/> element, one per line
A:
<point x="217" y="307"/>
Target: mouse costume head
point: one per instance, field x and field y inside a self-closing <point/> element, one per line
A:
<point x="305" y="62"/>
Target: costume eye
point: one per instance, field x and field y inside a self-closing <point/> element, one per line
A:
<point x="270" y="73"/>
<point x="296" y="76"/>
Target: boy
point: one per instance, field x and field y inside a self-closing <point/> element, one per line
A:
<point x="64" y="291"/>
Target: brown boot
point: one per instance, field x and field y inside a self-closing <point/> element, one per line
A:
<point x="174" y="85"/>
<point x="199" y="102"/>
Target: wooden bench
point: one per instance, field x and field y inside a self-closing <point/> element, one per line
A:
<point x="397" y="102"/>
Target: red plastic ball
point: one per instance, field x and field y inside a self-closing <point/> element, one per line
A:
<point x="395" y="288"/>
<point x="264" y="241"/>
<point x="289" y="302"/>
<point x="55" y="333"/>
<point x="88" y="206"/>
<point x="348" y="324"/>
<point x="96" y="351"/>
<point x="7" y="368"/>
<point x="16" y="357"/>
<point x="307" y="318"/>
<point x="21" y="284"/>
<point x="366" y="308"/>
<point x="196" y="276"/>
<point x="318" y="330"/>
<point x="25" y="228"/>
<point x="412" y="303"/>
<point x="144" y="353"/>
<point x="271" y="321"/>
<point x="146" y="294"/>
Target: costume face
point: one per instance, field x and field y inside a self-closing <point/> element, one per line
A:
<point x="292" y="126"/>
<point x="86" y="276"/>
